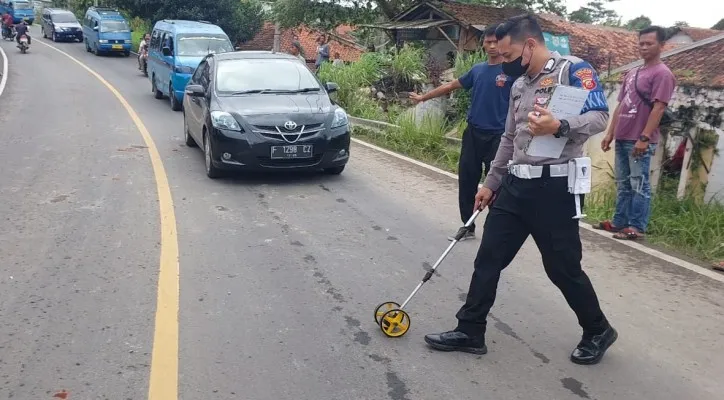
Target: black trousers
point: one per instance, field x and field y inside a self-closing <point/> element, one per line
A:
<point x="544" y="209"/>
<point x="478" y="149"/>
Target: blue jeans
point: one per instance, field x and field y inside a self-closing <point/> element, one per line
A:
<point x="633" y="200"/>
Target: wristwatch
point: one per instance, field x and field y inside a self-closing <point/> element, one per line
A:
<point x="644" y="138"/>
<point x="563" y="129"/>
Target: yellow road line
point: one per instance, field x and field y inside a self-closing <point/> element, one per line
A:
<point x="164" y="362"/>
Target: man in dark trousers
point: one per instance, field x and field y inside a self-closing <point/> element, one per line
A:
<point x="490" y="90"/>
<point x="532" y="192"/>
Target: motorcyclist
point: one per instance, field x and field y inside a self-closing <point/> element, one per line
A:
<point x="143" y="49"/>
<point x="20" y="30"/>
<point x="7" y="23"/>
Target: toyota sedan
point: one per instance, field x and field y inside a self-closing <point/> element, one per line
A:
<point x="257" y="110"/>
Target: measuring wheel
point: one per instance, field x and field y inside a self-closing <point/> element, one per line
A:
<point x="383" y="308"/>
<point x="395" y="323"/>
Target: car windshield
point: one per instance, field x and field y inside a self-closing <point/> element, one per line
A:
<point x="201" y="45"/>
<point x="264" y="75"/>
<point x="63" y="18"/>
<point x="22" y="5"/>
<point x="114" y="26"/>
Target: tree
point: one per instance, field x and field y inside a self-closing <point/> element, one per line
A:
<point x="595" y="12"/>
<point x="719" y="25"/>
<point x="240" y="19"/>
<point x="638" y="23"/>
<point x="326" y="13"/>
<point x="681" y="24"/>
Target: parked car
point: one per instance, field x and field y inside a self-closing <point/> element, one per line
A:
<point x="105" y="31"/>
<point x="59" y="24"/>
<point x="19" y="9"/>
<point x="177" y="47"/>
<point x="258" y="110"/>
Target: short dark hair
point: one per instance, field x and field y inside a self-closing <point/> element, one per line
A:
<point x="520" y="28"/>
<point x="660" y="32"/>
<point x="490" y="30"/>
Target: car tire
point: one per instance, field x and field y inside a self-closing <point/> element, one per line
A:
<point x="211" y="171"/>
<point x="175" y="104"/>
<point x="187" y="136"/>
<point x="334" y="170"/>
<point x="156" y="93"/>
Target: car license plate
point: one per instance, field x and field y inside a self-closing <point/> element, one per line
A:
<point x="117" y="47"/>
<point x="292" y="151"/>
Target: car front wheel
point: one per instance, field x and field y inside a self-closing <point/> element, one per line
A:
<point x="211" y="171"/>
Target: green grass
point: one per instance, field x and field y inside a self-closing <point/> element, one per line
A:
<point x="140" y="27"/>
<point x="686" y="227"/>
<point x="689" y="227"/>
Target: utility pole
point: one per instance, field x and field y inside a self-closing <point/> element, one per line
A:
<point x="277" y="34"/>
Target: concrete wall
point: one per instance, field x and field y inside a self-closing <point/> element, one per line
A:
<point x="707" y="106"/>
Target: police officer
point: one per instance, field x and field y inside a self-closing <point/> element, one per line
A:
<point x="490" y="92"/>
<point x="532" y="195"/>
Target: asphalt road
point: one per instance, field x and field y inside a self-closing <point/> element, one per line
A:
<point x="279" y="275"/>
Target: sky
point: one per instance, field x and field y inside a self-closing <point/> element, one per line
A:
<point x="698" y="13"/>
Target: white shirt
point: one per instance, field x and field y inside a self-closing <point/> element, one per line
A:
<point x="140" y="45"/>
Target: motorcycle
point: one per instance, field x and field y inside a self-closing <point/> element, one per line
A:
<point x="8" y="33"/>
<point x="23" y="45"/>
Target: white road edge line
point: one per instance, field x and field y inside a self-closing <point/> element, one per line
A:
<point x="652" y="252"/>
<point x="4" y="78"/>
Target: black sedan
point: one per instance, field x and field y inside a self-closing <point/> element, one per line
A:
<point x="257" y="110"/>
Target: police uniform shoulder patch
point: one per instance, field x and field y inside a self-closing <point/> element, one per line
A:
<point x="586" y="77"/>
<point x="546" y="82"/>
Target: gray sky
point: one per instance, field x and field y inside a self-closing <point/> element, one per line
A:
<point x="698" y="13"/>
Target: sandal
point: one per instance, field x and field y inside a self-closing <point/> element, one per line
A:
<point x="605" y="226"/>
<point x="628" y="234"/>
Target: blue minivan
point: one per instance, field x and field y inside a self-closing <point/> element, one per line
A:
<point x="106" y="31"/>
<point x="19" y="9"/>
<point x="176" y="49"/>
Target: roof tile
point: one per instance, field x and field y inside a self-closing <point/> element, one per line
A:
<point x="340" y="41"/>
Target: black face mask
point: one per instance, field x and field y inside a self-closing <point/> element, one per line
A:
<point x="516" y="68"/>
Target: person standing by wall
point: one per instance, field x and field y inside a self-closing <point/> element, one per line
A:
<point x="490" y="91"/>
<point x="643" y="99"/>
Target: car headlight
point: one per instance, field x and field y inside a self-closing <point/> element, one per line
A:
<point x="102" y="41"/>
<point x="340" y="118"/>
<point x="224" y="120"/>
<point x="129" y="41"/>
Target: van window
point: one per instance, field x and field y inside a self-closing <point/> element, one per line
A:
<point x="63" y="18"/>
<point x="114" y="26"/>
<point x="196" y="45"/>
<point x="155" y="39"/>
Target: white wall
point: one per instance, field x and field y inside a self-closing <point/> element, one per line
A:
<point x="715" y="188"/>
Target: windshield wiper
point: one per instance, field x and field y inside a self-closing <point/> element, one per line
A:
<point x="309" y="89"/>
<point x="252" y="91"/>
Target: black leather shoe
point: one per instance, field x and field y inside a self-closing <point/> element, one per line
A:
<point x="591" y="349"/>
<point x="456" y="341"/>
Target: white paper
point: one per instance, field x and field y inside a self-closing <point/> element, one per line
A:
<point x="566" y="101"/>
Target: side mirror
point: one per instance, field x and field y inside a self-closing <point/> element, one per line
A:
<point x="331" y="87"/>
<point x="166" y="51"/>
<point x="195" y="91"/>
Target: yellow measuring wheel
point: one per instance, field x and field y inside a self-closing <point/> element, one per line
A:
<point x="393" y="321"/>
<point x="383" y="308"/>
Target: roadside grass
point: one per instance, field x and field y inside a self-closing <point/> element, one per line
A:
<point x="139" y="27"/>
<point x="686" y="227"/>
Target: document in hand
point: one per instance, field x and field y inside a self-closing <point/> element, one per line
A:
<point x="566" y="101"/>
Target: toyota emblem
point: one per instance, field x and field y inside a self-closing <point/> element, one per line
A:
<point x="290" y="125"/>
